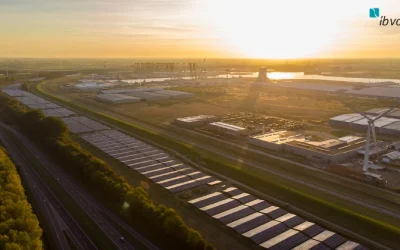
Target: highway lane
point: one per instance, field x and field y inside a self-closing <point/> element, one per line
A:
<point x="92" y="207"/>
<point x="48" y="202"/>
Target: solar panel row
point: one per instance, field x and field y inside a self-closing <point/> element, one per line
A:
<point x="147" y="160"/>
<point x="266" y="225"/>
<point x="82" y="124"/>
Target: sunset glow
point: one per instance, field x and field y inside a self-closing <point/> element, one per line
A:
<point x="196" y="28"/>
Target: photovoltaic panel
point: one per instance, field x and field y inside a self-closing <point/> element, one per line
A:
<point x="173" y="181"/>
<point x="169" y="175"/>
<point x="185" y="185"/>
<point x="290" y="220"/>
<point x="246" y="199"/>
<point x="210" y="199"/>
<point x="330" y="239"/>
<point x="219" y="209"/>
<point x="232" y="191"/>
<point x="251" y="224"/>
<point x="273" y="212"/>
<point x="237" y="215"/>
<point x="351" y="245"/>
<point x="311" y="245"/>
<point x="266" y="231"/>
<point x="258" y="204"/>
<point x="309" y="228"/>
<point x="286" y="240"/>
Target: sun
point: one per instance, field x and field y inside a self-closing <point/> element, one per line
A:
<point x="270" y="29"/>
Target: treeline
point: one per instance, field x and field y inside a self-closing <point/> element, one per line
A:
<point x="19" y="226"/>
<point x="53" y="135"/>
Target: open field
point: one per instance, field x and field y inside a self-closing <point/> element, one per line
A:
<point x="189" y="151"/>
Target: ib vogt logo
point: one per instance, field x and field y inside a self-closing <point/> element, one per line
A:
<point x="384" y="21"/>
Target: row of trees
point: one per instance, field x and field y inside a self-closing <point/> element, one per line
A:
<point x="53" y="135"/>
<point x="19" y="226"/>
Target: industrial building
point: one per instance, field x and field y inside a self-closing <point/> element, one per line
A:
<point x="276" y="140"/>
<point x="228" y="129"/>
<point x="329" y="151"/>
<point x="129" y="90"/>
<point x="385" y="125"/>
<point x="87" y="85"/>
<point x="262" y="75"/>
<point x="148" y="96"/>
<point x="391" y="158"/>
<point x="117" y="98"/>
<point x="175" y="94"/>
<point x="195" y="121"/>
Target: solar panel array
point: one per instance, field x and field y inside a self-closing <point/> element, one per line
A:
<point x="82" y="124"/>
<point x="35" y="102"/>
<point x="267" y="225"/>
<point x="58" y="112"/>
<point x="149" y="161"/>
<point x="15" y="92"/>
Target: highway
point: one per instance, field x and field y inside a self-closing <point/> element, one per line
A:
<point x="85" y="201"/>
<point x="47" y="202"/>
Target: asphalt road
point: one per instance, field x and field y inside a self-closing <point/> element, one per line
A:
<point x="47" y="202"/>
<point x="93" y="208"/>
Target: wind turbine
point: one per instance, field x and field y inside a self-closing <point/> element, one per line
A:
<point x="371" y="128"/>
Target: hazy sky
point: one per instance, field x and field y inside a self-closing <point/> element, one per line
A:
<point x="197" y="28"/>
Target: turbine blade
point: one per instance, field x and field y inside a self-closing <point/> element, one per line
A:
<point x="355" y="110"/>
<point x="386" y="112"/>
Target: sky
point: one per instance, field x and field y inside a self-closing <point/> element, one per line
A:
<point x="271" y="29"/>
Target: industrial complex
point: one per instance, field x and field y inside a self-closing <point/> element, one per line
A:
<point x="132" y="95"/>
<point x="330" y="151"/>
<point x="389" y="124"/>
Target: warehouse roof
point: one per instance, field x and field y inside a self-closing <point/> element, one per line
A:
<point x="393" y="126"/>
<point x="120" y="91"/>
<point x="279" y="137"/>
<point x="344" y="117"/>
<point x="195" y="118"/>
<point x="376" y="111"/>
<point x="394" y="114"/>
<point x="349" y="138"/>
<point x="387" y="91"/>
<point x="394" y="155"/>
<point x="227" y="126"/>
<point x="381" y="122"/>
<point x="116" y="97"/>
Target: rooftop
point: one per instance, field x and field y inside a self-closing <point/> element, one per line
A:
<point x="195" y="118"/>
<point x="116" y="97"/>
<point x="394" y="155"/>
<point x="394" y="126"/>
<point x="280" y="137"/>
<point x="227" y="126"/>
<point x="332" y="146"/>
